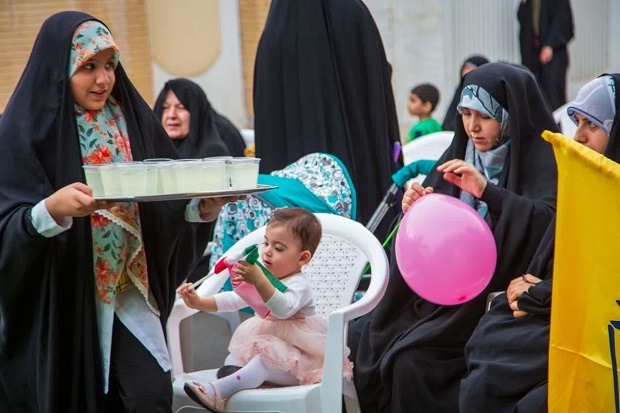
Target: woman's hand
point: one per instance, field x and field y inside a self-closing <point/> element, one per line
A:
<point x="516" y="288"/>
<point x="74" y="200"/>
<point x="250" y="273"/>
<point x="546" y="55"/>
<point x="415" y="192"/>
<point x="520" y="285"/>
<point x="210" y="205"/>
<point x="464" y="175"/>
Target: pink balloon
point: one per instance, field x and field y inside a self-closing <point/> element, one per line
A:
<point x="444" y="249"/>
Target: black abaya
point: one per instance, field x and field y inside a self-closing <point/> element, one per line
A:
<point x="410" y="352"/>
<point x="50" y="359"/>
<point x="507" y="357"/>
<point x="322" y="84"/>
<point x="555" y="31"/>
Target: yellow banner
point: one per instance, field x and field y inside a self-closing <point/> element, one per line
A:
<point x="585" y="311"/>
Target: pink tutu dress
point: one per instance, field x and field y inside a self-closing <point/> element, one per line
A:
<point x="292" y="338"/>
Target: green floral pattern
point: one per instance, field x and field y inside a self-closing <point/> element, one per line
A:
<point x="118" y="250"/>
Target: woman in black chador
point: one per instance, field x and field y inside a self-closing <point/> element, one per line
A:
<point x="322" y="84"/>
<point x="86" y="286"/>
<point x="546" y="27"/>
<point x="409" y="351"/>
<point x="196" y="129"/>
<point x="508" y="353"/>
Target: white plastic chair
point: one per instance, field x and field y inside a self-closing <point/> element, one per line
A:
<point x="567" y="126"/>
<point x="344" y="251"/>
<point x="430" y="146"/>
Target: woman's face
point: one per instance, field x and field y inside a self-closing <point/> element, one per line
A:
<point x="590" y="134"/>
<point x="175" y="117"/>
<point x="483" y="130"/>
<point x="92" y="83"/>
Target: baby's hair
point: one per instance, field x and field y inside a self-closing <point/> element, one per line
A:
<point x="303" y="223"/>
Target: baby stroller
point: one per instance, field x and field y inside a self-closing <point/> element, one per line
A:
<point x="419" y="156"/>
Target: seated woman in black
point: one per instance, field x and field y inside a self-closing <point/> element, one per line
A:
<point x="507" y="355"/>
<point x="409" y="354"/>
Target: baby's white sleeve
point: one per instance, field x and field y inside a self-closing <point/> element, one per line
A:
<point x="229" y="301"/>
<point x="285" y="304"/>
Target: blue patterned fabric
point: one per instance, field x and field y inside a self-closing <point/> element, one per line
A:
<point x="476" y="98"/>
<point x="325" y="187"/>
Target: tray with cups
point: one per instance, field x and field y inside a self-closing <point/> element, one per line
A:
<point x="168" y="179"/>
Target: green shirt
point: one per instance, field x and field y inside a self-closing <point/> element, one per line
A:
<point x="423" y="127"/>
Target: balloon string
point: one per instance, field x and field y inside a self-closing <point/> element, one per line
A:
<point x="386" y="242"/>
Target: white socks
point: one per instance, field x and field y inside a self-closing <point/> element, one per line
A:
<point x="251" y="376"/>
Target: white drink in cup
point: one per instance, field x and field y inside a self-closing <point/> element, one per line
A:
<point x="154" y="185"/>
<point x="214" y="174"/>
<point x="132" y="177"/>
<point x="110" y="179"/>
<point x="243" y="172"/>
<point x="190" y="176"/>
<point x="152" y="179"/>
<point x="93" y="180"/>
<point x="163" y="179"/>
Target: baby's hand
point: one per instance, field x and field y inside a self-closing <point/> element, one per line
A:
<point x="189" y="295"/>
<point x="250" y="273"/>
<point x="415" y="192"/>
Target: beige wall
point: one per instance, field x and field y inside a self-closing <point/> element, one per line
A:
<point x="252" y="14"/>
<point x="20" y="22"/>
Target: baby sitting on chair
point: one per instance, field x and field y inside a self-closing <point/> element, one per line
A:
<point x="287" y="346"/>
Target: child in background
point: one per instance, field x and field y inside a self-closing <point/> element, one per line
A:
<point x="287" y="347"/>
<point x="423" y="100"/>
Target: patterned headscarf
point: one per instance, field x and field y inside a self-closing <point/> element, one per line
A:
<point x="476" y="98"/>
<point x="597" y="102"/>
<point x="90" y="38"/>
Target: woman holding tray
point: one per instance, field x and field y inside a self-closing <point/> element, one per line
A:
<point x="87" y="286"/>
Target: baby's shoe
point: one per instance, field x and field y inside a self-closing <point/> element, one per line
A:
<point x="199" y="394"/>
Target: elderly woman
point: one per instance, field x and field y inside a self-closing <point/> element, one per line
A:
<point x="195" y="128"/>
<point x="409" y="351"/>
